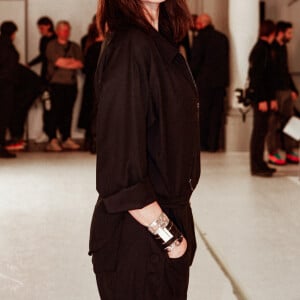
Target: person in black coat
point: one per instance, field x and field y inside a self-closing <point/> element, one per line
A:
<point x="28" y="86"/>
<point x="46" y="28"/>
<point x="87" y="115"/>
<point x="148" y="162"/>
<point x="9" y="58"/>
<point x="261" y="81"/>
<point x="210" y="67"/>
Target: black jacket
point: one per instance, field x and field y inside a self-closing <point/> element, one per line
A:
<point x="261" y="67"/>
<point x="147" y="130"/>
<point x="282" y="77"/>
<point x="9" y="58"/>
<point x="147" y="138"/>
<point x="210" y="58"/>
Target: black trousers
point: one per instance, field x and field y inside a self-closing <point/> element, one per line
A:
<point x="258" y="138"/>
<point x="211" y="117"/>
<point x="140" y="268"/>
<point x="6" y="108"/>
<point x="63" y="98"/>
<point x="22" y="104"/>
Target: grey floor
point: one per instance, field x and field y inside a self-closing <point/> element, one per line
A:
<point x="248" y="229"/>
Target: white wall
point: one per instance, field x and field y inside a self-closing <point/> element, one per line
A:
<point x="15" y="10"/>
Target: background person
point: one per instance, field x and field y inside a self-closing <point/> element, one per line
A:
<point x="286" y="95"/>
<point x="148" y="153"/>
<point x="88" y="109"/>
<point x="64" y="60"/>
<point x="210" y="66"/>
<point x="9" y="58"/>
<point x="27" y="87"/>
<point x="262" y="82"/>
<point x="46" y="28"/>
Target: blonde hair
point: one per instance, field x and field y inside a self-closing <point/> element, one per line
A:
<point x="64" y="23"/>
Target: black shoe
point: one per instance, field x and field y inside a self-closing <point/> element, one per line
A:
<point x="273" y="170"/>
<point x="262" y="173"/>
<point x="268" y="169"/>
<point x="6" y="154"/>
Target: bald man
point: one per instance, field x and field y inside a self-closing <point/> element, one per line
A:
<point x="209" y="64"/>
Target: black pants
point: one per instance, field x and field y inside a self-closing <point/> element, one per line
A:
<point x="6" y="108"/>
<point x="258" y="137"/>
<point x="211" y="117"/>
<point x="23" y="102"/>
<point x="134" y="266"/>
<point x="63" y="98"/>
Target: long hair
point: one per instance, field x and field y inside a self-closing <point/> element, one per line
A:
<point x="174" y="16"/>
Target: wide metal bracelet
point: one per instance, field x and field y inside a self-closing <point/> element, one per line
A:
<point x="165" y="231"/>
<point x="160" y="223"/>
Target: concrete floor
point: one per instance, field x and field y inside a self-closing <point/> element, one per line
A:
<point x="248" y="229"/>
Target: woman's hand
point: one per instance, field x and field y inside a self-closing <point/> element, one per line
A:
<point x="178" y="251"/>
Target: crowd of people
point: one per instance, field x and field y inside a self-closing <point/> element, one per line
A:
<point x="205" y="49"/>
<point x="56" y="86"/>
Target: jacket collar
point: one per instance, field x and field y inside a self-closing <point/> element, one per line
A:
<point x="166" y="48"/>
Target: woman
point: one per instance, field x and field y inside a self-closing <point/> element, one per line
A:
<point x="87" y="112"/>
<point x="262" y="83"/>
<point x="142" y="234"/>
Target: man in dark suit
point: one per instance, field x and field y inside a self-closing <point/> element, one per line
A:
<point x="210" y="67"/>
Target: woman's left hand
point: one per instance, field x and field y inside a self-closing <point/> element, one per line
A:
<point x="178" y="251"/>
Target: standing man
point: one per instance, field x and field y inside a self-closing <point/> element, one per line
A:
<point x="64" y="60"/>
<point x="210" y="67"/>
<point x="286" y="95"/>
<point x="262" y="82"/>
<point x="9" y="58"/>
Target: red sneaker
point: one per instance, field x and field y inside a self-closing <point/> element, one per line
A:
<point x="276" y="159"/>
<point x="15" y="146"/>
<point x="292" y="158"/>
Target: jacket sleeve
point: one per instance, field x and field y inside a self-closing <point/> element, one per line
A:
<point x="122" y="91"/>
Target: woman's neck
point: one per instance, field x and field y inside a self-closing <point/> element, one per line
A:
<point x="152" y="13"/>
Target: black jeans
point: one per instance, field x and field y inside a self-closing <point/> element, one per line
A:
<point x="6" y="108"/>
<point x="211" y="117"/>
<point x="63" y="98"/>
<point x="258" y="137"/>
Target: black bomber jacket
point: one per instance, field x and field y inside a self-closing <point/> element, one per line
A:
<point x="147" y="123"/>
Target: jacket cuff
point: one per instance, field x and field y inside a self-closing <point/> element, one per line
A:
<point x="134" y="197"/>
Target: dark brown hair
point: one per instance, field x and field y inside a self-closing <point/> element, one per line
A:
<point x="267" y="27"/>
<point x="283" y="26"/>
<point x="46" y="21"/>
<point x="114" y="14"/>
